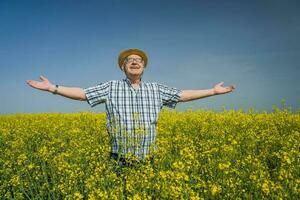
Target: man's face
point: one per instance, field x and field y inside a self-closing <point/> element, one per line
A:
<point x="133" y="65"/>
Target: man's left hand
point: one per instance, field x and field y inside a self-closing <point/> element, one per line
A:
<point x="220" y="89"/>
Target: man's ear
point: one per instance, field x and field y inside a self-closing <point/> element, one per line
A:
<point x="122" y="67"/>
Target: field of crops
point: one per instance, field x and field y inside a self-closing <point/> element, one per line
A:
<point x="200" y="155"/>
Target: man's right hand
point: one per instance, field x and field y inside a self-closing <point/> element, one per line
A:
<point x="44" y="85"/>
<point x="69" y="92"/>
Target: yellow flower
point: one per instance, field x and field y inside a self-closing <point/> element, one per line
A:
<point x="163" y="174"/>
<point x="15" y="180"/>
<point x="265" y="187"/>
<point x="91" y="197"/>
<point x="253" y="177"/>
<point x="136" y="197"/>
<point x="21" y="159"/>
<point x="78" y="195"/>
<point x="193" y="148"/>
<point x="223" y="166"/>
<point x="234" y="142"/>
<point x="178" y="165"/>
<point x="215" y="189"/>
<point x="285" y="158"/>
<point x="30" y="166"/>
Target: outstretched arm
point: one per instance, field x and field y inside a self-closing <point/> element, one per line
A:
<point x="69" y="92"/>
<point x="189" y="95"/>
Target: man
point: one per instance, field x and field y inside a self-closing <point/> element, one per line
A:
<point x="132" y="105"/>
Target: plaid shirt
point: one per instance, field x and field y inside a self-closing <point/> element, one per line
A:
<point x="132" y="114"/>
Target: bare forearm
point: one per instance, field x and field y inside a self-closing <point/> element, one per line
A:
<point x="189" y="95"/>
<point x="69" y="92"/>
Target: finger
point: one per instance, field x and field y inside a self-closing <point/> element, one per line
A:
<point x="221" y="83"/>
<point x="230" y="88"/>
<point x="29" y="81"/>
<point x="43" y="78"/>
<point x="33" y="82"/>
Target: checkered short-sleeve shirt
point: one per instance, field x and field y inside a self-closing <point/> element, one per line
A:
<point x="132" y="114"/>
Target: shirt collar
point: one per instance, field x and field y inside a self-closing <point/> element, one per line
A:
<point x="127" y="80"/>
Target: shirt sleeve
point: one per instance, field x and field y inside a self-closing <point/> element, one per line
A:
<point x="97" y="94"/>
<point x="169" y="96"/>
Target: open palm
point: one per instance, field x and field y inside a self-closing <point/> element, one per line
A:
<point x="220" y="89"/>
<point x="44" y="84"/>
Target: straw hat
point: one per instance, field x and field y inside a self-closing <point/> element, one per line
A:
<point x="124" y="54"/>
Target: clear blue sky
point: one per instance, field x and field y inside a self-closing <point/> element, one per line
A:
<point x="254" y="45"/>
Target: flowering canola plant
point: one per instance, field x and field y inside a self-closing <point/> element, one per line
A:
<point x="200" y="155"/>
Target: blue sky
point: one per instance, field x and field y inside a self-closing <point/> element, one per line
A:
<point x="254" y="45"/>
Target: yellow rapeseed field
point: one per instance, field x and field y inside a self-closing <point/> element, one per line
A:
<point x="201" y="155"/>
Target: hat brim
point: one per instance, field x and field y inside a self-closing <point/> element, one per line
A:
<point x="124" y="54"/>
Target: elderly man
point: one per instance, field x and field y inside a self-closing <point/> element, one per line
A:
<point x="132" y="105"/>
